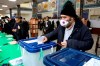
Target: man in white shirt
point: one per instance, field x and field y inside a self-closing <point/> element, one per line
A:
<point x="71" y="33"/>
<point x="48" y="26"/>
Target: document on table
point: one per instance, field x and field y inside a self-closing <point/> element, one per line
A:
<point x="38" y="40"/>
<point x="31" y="41"/>
<point x="92" y="62"/>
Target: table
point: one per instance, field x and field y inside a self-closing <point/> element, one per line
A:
<point x="9" y="51"/>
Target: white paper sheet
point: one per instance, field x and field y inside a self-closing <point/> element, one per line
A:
<point x="39" y="40"/>
<point x="31" y="41"/>
<point x="92" y="62"/>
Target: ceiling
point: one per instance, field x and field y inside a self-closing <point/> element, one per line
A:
<point x="10" y="4"/>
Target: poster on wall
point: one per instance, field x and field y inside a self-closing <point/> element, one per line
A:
<point x="78" y="7"/>
<point x="45" y="6"/>
<point x="89" y="2"/>
<point x="40" y="7"/>
<point x="52" y="5"/>
<point x="48" y="5"/>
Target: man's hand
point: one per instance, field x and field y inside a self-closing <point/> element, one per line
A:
<point x="45" y="39"/>
<point x="14" y="30"/>
<point x="64" y="44"/>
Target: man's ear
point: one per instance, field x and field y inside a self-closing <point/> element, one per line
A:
<point x="72" y="18"/>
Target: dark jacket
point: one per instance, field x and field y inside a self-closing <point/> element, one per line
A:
<point x="53" y="24"/>
<point x="16" y="34"/>
<point x="57" y="23"/>
<point x="19" y="33"/>
<point x="49" y="28"/>
<point x="80" y="38"/>
<point x="25" y="28"/>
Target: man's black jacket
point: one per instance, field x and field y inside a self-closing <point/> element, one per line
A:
<point x="80" y="38"/>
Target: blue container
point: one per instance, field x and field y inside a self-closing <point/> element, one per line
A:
<point x="35" y="47"/>
<point x="68" y="57"/>
<point x="33" y="53"/>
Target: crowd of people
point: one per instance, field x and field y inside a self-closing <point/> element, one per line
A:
<point x="17" y="26"/>
<point x="71" y="31"/>
<point x="46" y="25"/>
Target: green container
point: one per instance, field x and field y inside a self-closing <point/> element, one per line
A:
<point x="9" y="52"/>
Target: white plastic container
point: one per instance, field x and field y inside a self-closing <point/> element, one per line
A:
<point x="33" y="53"/>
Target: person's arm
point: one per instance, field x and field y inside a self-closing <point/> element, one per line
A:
<point x="52" y="35"/>
<point x="85" y="44"/>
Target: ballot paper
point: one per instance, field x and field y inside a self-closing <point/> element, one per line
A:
<point x="39" y="40"/>
<point x="16" y="61"/>
<point x="30" y="41"/>
<point x="13" y="42"/>
<point x="9" y="35"/>
<point x="92" y="62"/>
<point x="9" y="38"/>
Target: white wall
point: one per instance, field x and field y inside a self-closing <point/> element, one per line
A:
<point x="27" y="16"/>
<point x="50" y="14"/>
<point x="6" y="15"/>
<point x="95" y="23"/>
<point x="94" y="13"/>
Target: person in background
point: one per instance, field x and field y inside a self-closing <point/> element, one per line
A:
<point x="38" y="23"/>
<point x="11" y="22"/>
<point x="53" y="25"/>
<point x="14" y="16"/>
<point x="48" y="26"/>
<point x="17" y="29"/>
<point x="57" y="23"/>
<point x="86" y="22"/>
<point x="41" y="24"/>
<point x="1" y="25"/>
<point x="7" y="27"/>
<point x="71" y="33"/>
<point x="25" y="26"/>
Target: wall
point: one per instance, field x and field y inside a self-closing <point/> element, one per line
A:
<point x="6" y="15"/>
<point x="94" y="14"/>
<point x="24" y="14"/>
<point x="95" y="23"/>
<point x="27" y="16"/>
<point x="50" y="14"/>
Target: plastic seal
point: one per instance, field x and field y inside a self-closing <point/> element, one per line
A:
<point x="51" y="49"/>
<point x="41" y="54"/>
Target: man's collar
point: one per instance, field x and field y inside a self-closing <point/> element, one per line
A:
<point x="71" y="26"/>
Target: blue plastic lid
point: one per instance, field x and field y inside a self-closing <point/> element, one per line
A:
<point x="35" y="47"/>
<point x="68" y="57"/>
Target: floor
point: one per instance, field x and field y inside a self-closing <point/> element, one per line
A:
<point x="92" y="50"/>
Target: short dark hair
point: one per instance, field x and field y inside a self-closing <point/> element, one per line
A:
<point x="18" y="17"/>
<point x="6" y="17"/>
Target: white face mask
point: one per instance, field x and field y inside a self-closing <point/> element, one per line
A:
<point x="64" y="23"/>
<point x="6" y="20"/>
